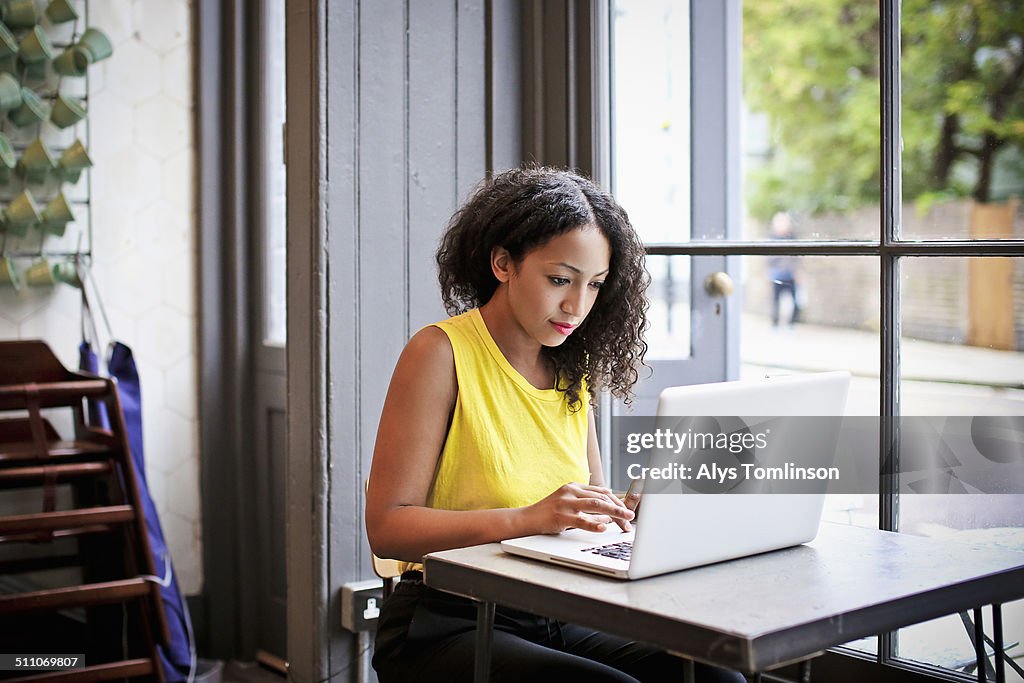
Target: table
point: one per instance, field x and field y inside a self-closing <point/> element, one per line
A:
<point x="756" y="613"/>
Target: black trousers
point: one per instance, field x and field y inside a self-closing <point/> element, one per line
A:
<point x="780" y="287"/>
<point x="427" y="635"/>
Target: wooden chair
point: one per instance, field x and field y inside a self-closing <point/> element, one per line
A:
<point x="106" y="521"/>
<point x="387" y="570"/>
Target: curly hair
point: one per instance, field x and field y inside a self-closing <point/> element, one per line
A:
<point x="521" y="210"/>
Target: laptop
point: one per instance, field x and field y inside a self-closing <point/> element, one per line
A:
<point x="679" y="531"/>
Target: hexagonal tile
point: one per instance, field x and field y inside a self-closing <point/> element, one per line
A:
<point x="167" y="436"/>
<point x="113" y="17"/>
<point x="123" y="325"/>
<point x="17" y="307"/>
<point x="133" y="72"/>
<point x="162" y="126"/>
<point x="177" y="182"/>
<point x="110" y="117"/>
<point x="131" y="286"/>
<point x="178" y="281"/>
<point x="183" y="483"/>
<point x="8" y="305"/>
<point x="167" y="334"/>
<point x="162" y="25"/>
<point x="176" y="74"/>
<point x="130" y="180"/>
<point x="113" y="231"/>
<point x="58" y="329"/>
<point x="158" y="490"/>
<point x="180" y="392"/>
<point x="161" y="231"/>
<point x="178" y="534"/>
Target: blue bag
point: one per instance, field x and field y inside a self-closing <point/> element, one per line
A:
<point x="178" y="656"/>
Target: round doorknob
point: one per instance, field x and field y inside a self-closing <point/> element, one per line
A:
<point x="719" y="284"/>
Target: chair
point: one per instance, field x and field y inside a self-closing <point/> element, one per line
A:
<point x="105" y="524"/>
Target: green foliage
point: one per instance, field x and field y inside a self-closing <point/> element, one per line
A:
<point x="812" y="67"/>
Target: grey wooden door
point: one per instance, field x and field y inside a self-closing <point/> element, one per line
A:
<point x="268" y="458"/>
<point x="701" y="48"/>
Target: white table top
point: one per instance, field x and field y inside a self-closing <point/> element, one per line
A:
<point x="754" y="613"/>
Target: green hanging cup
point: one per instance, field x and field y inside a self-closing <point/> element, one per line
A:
<point x="40" y="274"/>
<point x="61" y="11"/>
<point x="10" y="92"/>
<point x="19" y="13"/>
<point x="31" y="111"/>
<point x="66" y="111"/>
<point x="67" y="272"/>
<point x="72" y="62"/>
<point x="96" y="45"/>
<point x="73" y="161"/>
<point x="8" y="275"/>
<point x="8" y="159"/>
<point x="8" y="43"/>
<point x="57" y="215"/>
<point x="21" y="214"/>
<point x="9" y="65"/>
<point x="36" y="162"/>
<point x="35" y="71"/>
<point x="35" y="46"/>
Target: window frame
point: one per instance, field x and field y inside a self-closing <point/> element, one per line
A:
<point x="889" y="250"/>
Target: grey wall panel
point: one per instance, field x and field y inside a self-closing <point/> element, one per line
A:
<point x="382" y="228"/>
<point x="388" y="126"/>
<point x="433" y="140"/>
<point x="471" y="101"/>
<point x="506" y="83"/>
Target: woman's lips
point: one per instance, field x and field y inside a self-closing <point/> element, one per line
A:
<point x="564" y="328"/>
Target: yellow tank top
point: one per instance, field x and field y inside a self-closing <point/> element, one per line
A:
<point x="510" y="444"/>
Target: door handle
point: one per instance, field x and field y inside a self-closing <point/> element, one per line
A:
<point x="719" y="284"/>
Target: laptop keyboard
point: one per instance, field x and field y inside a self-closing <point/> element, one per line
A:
<point x="618" y="551"/>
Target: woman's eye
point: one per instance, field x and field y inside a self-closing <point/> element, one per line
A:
<point x="559" y="281"/>
<point x="596" y="285"/>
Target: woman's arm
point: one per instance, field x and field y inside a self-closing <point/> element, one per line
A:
<point x="596" y="468"/>
<point x="410" y="437"/>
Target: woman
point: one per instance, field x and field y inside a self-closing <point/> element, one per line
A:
<point x="488" y="433"/>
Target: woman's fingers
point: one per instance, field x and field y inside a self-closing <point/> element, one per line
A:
<point x="590" y="522"/>
<point x="597" y="499"/>
<point x="617" y="507"/>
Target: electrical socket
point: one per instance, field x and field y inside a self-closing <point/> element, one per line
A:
<point x="360" y="604"/>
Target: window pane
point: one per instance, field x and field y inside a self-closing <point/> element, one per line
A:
<point x="668" y="336"/>
<point x="963" y="113"/>
<point x="813" y="314"/>
<point x="275" y="318"/>
<point x="810" y="124"/>
<point x="962" y="331"/>
<point x="651" y="116"/>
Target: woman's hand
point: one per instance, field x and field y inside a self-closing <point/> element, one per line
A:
<point x="577" y="506"/>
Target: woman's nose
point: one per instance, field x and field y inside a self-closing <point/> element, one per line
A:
<point x="575" y="302"/>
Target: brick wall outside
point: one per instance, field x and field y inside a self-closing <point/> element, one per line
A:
<point x="844" y="291"/>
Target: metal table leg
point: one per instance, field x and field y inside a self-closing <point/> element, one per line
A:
<point x="805" y="671"/>
<point x="484" y="636"/>
<point x="979" y="645"/>
<point x="689" y="671"/>
<point x="997" y="642"/>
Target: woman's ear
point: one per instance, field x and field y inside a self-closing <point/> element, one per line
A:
<point x="501" y="264"/>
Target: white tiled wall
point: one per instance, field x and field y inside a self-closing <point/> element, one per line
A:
<point x="140" y="113"/>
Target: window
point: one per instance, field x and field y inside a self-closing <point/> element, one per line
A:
<point x="913" y="281"/>
<point x="273" y="177"/>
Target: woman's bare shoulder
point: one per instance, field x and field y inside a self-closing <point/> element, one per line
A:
<point x="427" y="363"/>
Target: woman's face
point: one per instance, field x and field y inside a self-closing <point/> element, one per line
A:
<point x="552" y="289"/>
